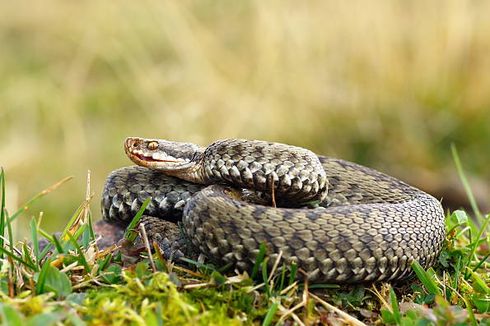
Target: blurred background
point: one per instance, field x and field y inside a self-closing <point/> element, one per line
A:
<point x="388" y="84"/>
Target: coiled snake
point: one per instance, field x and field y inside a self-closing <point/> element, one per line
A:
<point x="366" y="226"/>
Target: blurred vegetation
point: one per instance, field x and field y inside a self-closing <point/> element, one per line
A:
<point x="390" y="84"/>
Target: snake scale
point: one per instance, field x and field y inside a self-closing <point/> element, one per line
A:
<point x="338" y="221"/>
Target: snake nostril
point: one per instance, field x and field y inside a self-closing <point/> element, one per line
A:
<point x="134" y="144"/>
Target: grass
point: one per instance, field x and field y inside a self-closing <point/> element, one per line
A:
<point x="72" y="282"/>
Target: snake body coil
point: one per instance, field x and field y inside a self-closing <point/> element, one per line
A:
<point x="368" y="227"/>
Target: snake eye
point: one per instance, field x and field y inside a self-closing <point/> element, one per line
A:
<point x="152" y="145"/>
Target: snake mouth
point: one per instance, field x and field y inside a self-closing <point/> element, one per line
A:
<point x="145" y="158"/>
<point x="157" y="158"/>
<point x="159" y="161"/>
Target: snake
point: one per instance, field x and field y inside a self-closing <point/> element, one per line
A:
<point x="337" y="221"/>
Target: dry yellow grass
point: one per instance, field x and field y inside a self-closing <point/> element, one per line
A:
<point x="387" y="83"/>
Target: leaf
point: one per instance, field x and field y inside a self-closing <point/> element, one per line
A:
<point x="45" y="319"/>
<point x="460" y="217"/>
<point x="76" y="298"/>
<point x="457" y="218"/>
<point x="113" y="274"/>
<point x="352" y="298"/>
<point x="10" y="316"/>
<point x="52" y="280"/>
<point x="58" y="282"/>
<point x="142" y="269"/>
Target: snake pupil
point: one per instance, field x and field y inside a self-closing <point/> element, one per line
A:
<point x="152" y="146"/>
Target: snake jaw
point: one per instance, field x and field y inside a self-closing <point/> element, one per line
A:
<point x="160" y="154"/>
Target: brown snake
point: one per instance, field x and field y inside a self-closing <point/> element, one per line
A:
<point x="367" y="226"/>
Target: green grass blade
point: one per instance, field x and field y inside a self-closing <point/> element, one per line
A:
<point x="426" y="279"/>
<point x="45" y="252"/>
<point x="282" y="279"/>
<point x="323" y="286"/>
<point x="58" y="245"/>
<point x="27" y="256"/>
<point x="9" y="231"/>
<point x="484" y="220"/>
<point x="481" y="262"/>
<point x="457" y="272"/>
<point x="2" y="209"/>
<point x="395" y="308"/>
<point x="464" y="181"/>
<point x="71" y="221"/>
<point x="79" y="232"/>
<point x="17" y="258"/>
<point x="41" y="280"/>
<point x="130" y="234"/>
<point x="292" y="275"/>
<point x="86" y="236"/>
<point x="48" y="247"/>
<point x="105" y="262"/>
<point x="258" y="260"/>
<point x="270" y="314"/>
<point x="91" y="228"/>
<point x="44" y="233"/>
<point x="476" y="243"/>
<point x="34" y="238"/>
<point x="265" y="277"/>
<point x="80" y="255"/>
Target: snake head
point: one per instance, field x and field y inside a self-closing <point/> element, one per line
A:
<point x="161" y="154"/>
